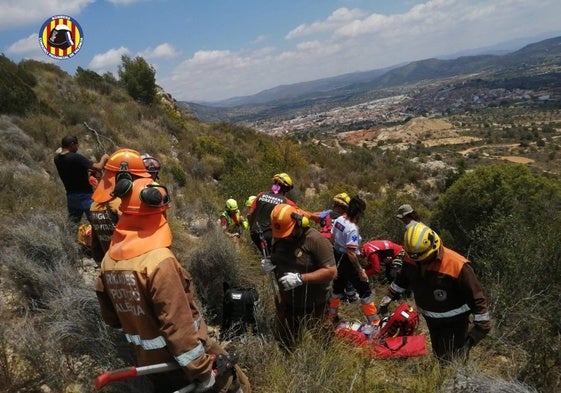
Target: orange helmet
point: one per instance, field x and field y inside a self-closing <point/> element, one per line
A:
<point x="106" y="185"/>
<point x="146" y="197"/>
<point x="283" y="219"/>
<point x="136" y="235"/>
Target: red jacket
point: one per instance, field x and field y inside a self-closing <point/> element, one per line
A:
<point x="376" y="252"/>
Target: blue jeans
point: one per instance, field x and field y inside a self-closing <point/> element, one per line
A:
<point x="77" y="205"/>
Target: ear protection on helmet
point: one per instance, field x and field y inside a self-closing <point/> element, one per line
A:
<point x="153" y="197"/>
<point x="123" y="181"/>
<point x="301" y="221"/>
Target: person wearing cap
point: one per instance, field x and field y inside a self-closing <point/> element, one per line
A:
<point x="346" y="247"/>
<point x="145" y="292"/>
<point x="231" y="220"/>
<point x="304" y="265"/>
<point x="259" y="214"/>
<point x="104" y="210"/>
<point x="72" y="167"/>
<point x="446" y="291"/>
<point x="407" y="215"/>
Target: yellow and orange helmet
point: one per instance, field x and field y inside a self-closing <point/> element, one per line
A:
<point x="284" y="218"/>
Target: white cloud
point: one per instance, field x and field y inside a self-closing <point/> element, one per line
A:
<point x="23" y="12"/>
<point x="124" y="2"/>
<point x="108" y="61"/>
<point x="28" y="45"/>
<point x="351" y="40"/>
<point x="162" y="51"/>
<point x="338" y="18"/>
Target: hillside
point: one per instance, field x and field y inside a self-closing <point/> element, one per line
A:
<point x="450" y="166"/>
<point x="524" y="68"/>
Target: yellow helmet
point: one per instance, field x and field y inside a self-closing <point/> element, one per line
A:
<point x="342" y="199"/>
<point x="283" y="180"/>
<point x="420" y="242"/>
<point x="250" y="200"/>
<point x="231" y="204"/>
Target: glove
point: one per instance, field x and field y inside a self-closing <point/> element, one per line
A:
<point x="267" y="266"/>
<point x="476" y="334"/>
<point x="207" y="384"/>
<point x="383" y="309"/>
<point x="323" y="215"/>
<point x="291" y="280"/>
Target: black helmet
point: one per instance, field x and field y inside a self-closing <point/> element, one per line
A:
<point x="61" y="37"/>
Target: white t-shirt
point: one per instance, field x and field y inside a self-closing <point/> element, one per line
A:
<point x="345" y="234"/>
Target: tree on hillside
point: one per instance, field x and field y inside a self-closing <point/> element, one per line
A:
<point x="479" y="198"/>
<point x="139" y="78"/>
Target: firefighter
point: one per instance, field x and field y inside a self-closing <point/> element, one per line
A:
<point x="446" y="292"/>
<point x="105" y="206"/>
<point x="304" y="265"/>
<point x="340" y="205"/>
<point x="231" y="220"/>
<point x="145" y="292"/>
<point x="259" y="214"/>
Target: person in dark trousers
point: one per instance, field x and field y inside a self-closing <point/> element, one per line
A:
<point x="304" y="265"/>
<point x="72" y="168"/>
<point x="446" y="291"/>
<point x="145" y="293"/>
<point x="346" y="247"/>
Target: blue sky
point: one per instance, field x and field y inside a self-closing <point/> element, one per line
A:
<point x="209" y="50"/>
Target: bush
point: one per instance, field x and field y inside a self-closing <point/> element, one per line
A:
<point x="215" y="263"/>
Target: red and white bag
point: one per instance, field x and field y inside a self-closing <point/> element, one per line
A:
<point x="404" y="321"/>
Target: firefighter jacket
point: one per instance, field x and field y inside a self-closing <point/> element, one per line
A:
<point x="150" y="297"/>
<point x="104" y="217"/>
<point x="232" y="222"/>
<point x="444" y="288"/>
<point x="260" y="219"/>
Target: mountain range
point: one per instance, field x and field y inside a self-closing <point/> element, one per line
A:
<point x="282" y="102"/>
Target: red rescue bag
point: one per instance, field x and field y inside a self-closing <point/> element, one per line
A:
<point x="400" y="346"/>
<point x="402" y="322"/>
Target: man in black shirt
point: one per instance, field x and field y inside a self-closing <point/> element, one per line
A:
<point x="73" y="168"/>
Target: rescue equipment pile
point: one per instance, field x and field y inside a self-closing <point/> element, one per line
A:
<point x="397" y="336"/>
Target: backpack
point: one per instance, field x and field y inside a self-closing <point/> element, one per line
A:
<point x="238" y="311"/>
<point x="402" y="322"/>
<point x="325" y="228"/>
<point x="84" y="235"/>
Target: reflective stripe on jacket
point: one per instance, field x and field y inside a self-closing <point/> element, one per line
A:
<point x="445" y="287"/>
<point x="151" y="298"/>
